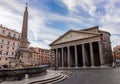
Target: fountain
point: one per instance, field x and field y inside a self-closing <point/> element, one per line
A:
<point x="22" y="65"/>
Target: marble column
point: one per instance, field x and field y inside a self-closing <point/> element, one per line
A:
<point x="62" y="57"/>
<point x="83" y="54"/>
<point x="101" y="53"/>
<point x="76" y="57"/>
<point x="91" y="54"/>
<point x="59" y="57"/>
<point x="68" y="54"/>
<point x="56" y="58"/>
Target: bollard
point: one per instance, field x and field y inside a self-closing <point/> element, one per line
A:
<point x="26" y="76"/>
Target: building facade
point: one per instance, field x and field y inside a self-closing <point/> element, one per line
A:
<point x="83" y="48"/>
<point x="9" y="42"/>
<point x="40" y="56"/>
<point x="116" y="52"/>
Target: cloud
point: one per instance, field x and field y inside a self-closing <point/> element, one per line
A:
<point x="105" y="13"/>
<point x="74" y="5"/>
<point x="11" y="14"/>
<point x="80" y="14"/>
<point x="111" y="21"/>
<point x="112" y="28"/>
<point x="39" y="33"/>
<point x="115" y="40"/>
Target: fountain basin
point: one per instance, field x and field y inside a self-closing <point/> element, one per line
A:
<point x="11" y="74"/>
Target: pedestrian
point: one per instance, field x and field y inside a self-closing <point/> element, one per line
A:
<point x="113" y="65"/>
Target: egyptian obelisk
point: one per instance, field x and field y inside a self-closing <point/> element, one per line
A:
<point x="24" y="43"/>
<point x="23" y="53"/>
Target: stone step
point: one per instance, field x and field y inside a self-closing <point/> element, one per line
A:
<point x="58" y="80"/>
<point x="62" y="76"/>
<point x="53" y="80"/>
<point x="45" y="80"/>
<point x="49" y="80"/>
<point x="67" y="72"/>
<point x="51" y="77"/>
<point x="66" y="75"/>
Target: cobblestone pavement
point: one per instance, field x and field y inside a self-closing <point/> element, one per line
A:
<point x="94" y="76"/>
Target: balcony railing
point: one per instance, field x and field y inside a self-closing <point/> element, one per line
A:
<point x="12" y="37"/>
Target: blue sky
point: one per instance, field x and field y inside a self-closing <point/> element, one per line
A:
<point x="49" y="19"/>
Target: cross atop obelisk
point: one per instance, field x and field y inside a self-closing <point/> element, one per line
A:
<point x="24" y="41"/>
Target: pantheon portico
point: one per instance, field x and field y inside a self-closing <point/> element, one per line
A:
<point x="83" y="48"/>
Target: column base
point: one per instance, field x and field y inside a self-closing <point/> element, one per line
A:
<point x="84" y="66"/>
<point x="68" y="67"/>
<point x="92" y="66"/>
<point x="76" y="66"/>
<point x="103" y="66"/>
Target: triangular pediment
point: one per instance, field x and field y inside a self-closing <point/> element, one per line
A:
<point x="72" y="36"/>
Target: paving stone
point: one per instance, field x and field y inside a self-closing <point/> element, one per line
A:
<point x="94" y="76"/>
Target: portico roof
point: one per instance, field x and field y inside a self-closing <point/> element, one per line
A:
<point x="72" y="35"/>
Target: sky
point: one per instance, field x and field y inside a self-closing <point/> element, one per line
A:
<point x="49" y="19"/>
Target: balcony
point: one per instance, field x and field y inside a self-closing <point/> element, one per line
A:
<point x="12" y="37"/>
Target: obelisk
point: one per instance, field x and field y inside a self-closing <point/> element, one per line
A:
<point x="24" y="43"/>
<point x="23" y="53"/>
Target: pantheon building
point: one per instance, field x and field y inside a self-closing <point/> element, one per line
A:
<point x="89" y="47"/>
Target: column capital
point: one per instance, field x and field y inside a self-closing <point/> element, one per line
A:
<point x="100" y="42"/>
<point x="68" y="45"/>
<point x="90" y="42"/>
<point x="75" y="45"/>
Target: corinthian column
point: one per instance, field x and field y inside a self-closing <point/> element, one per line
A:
<point x="101" y="53"/>
<point x="83" y="54"/>
<point x="62" y="58"/>
<point x="56" y="67"/>
<point x="76" y="57"/>
<point x="91" y="54"/>
<point x="68" y="49"/>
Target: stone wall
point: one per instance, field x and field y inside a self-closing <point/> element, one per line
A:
<point x="106" y="44"/>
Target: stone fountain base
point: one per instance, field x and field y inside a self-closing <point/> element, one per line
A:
<point x="11" y="74"/>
